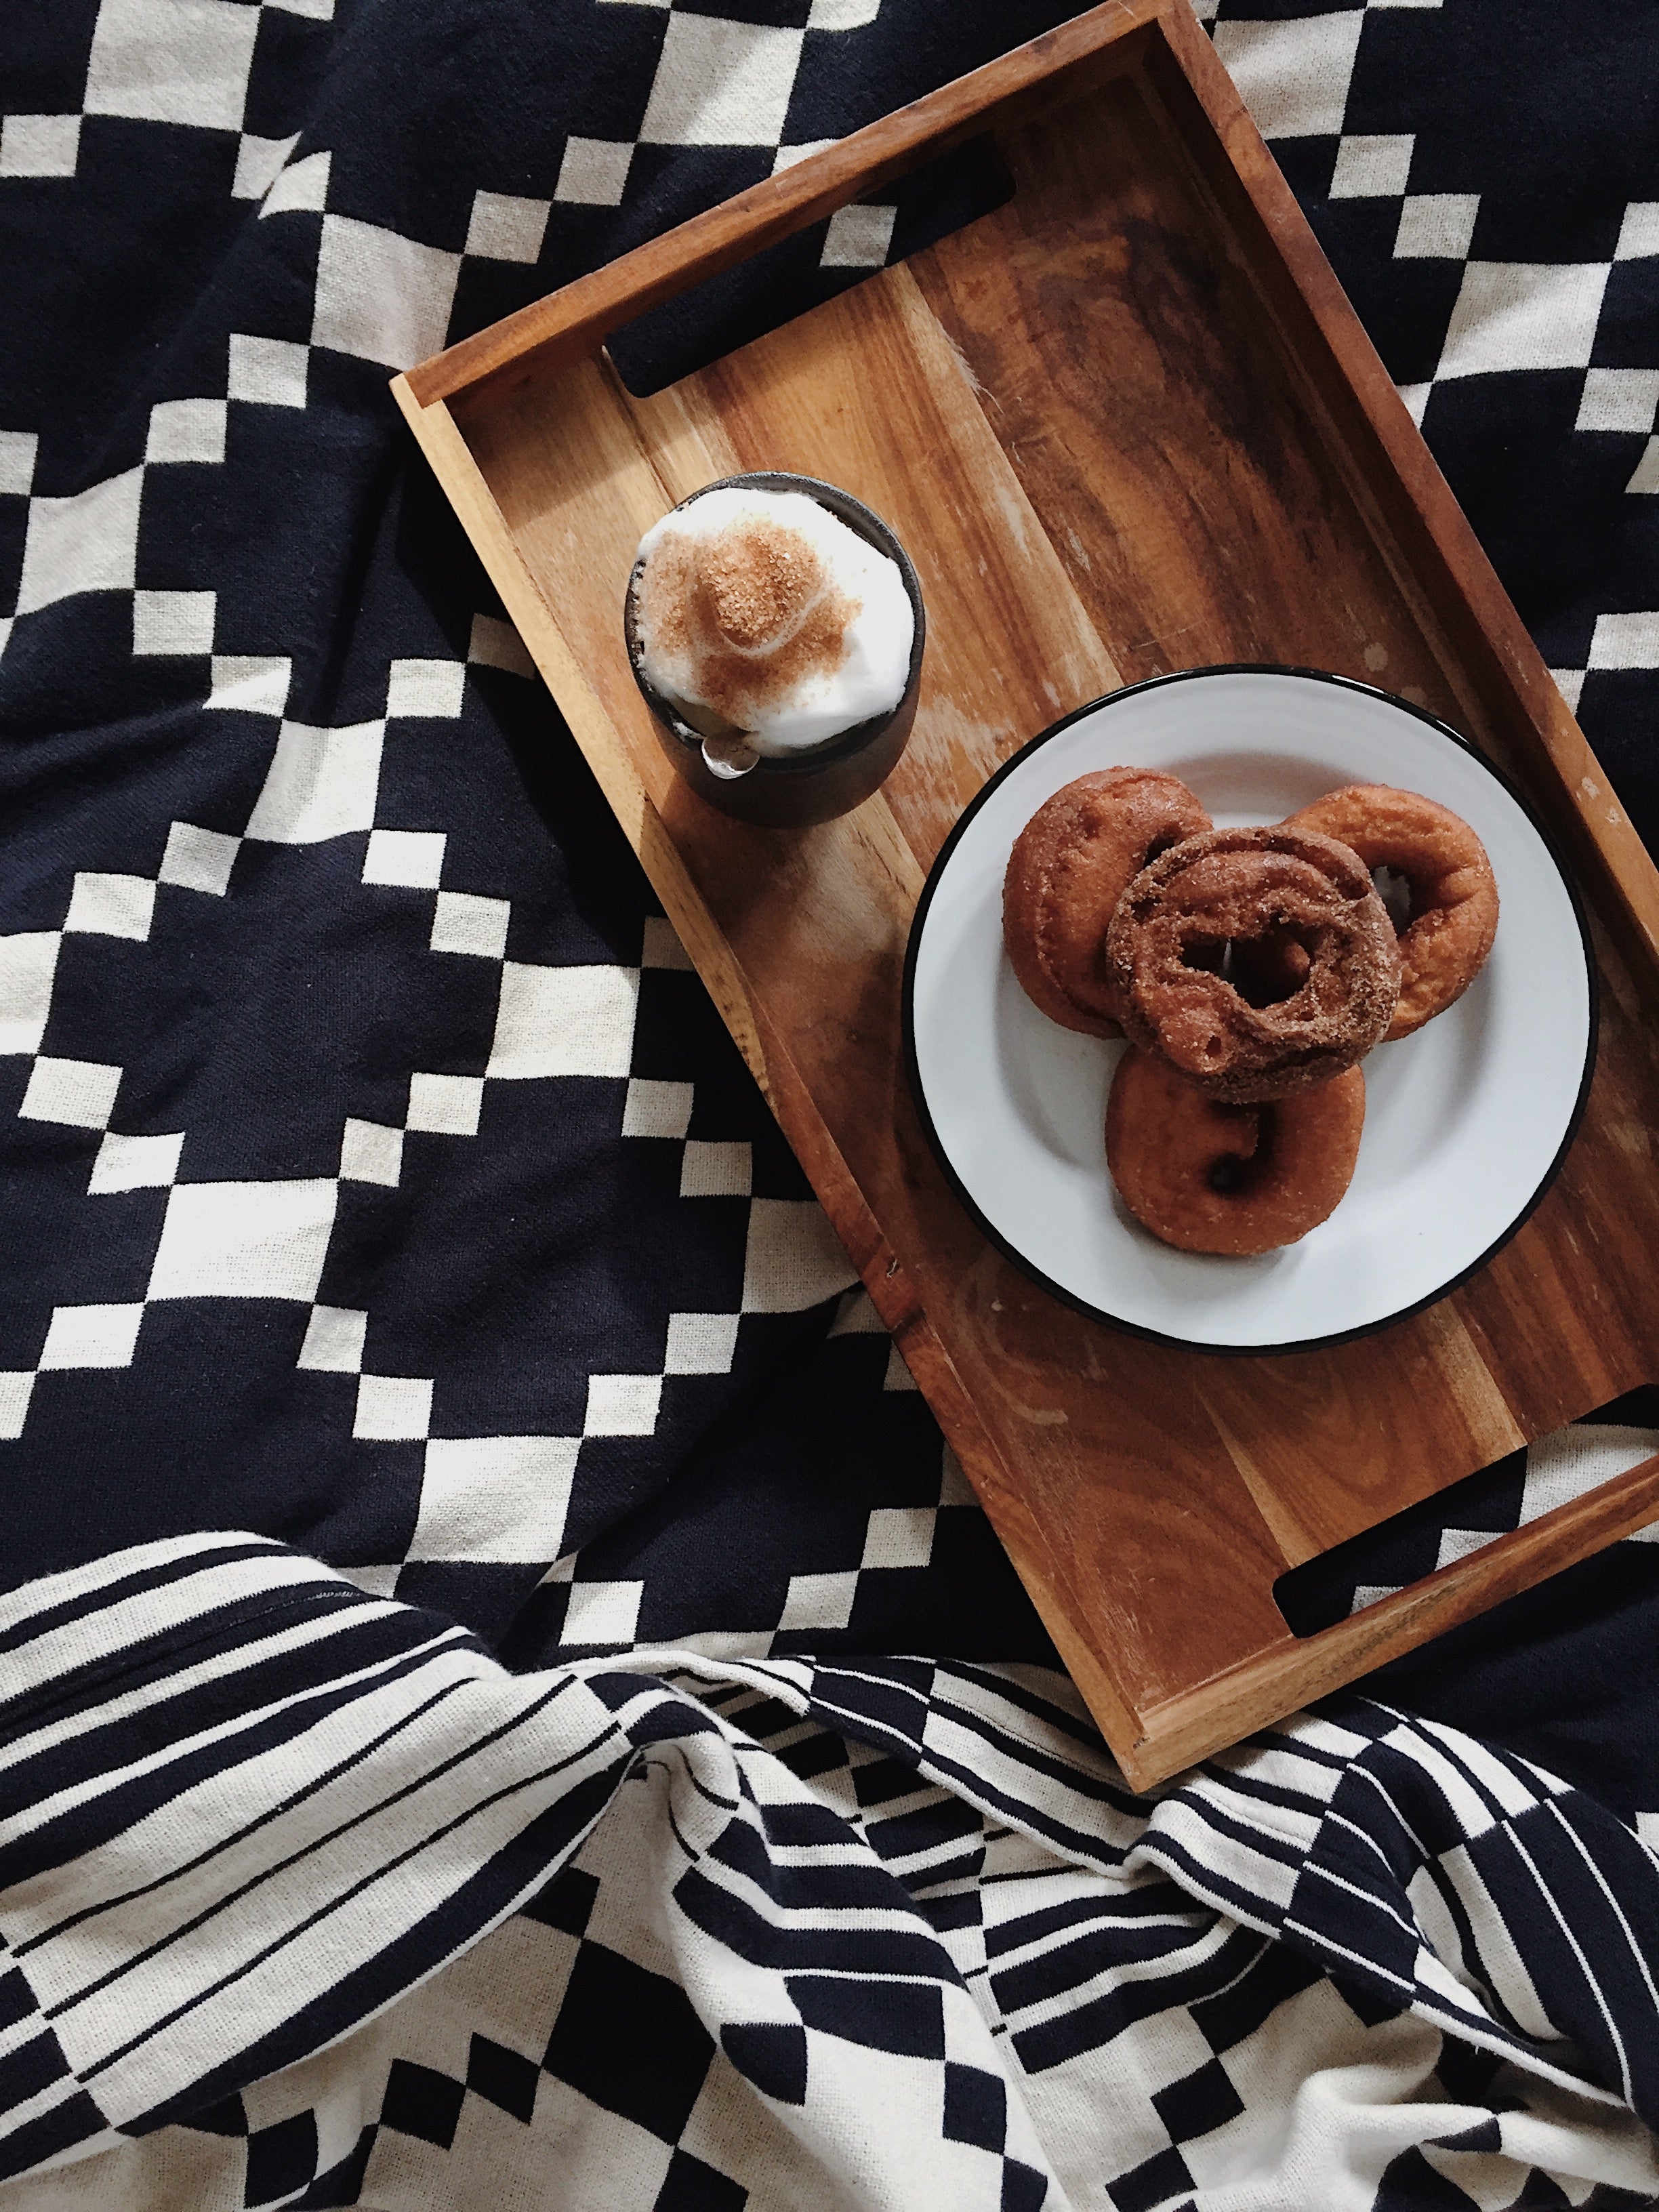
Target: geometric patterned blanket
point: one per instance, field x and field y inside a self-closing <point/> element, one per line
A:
<point x="309" y="1895"/>
<point x="610" y="1760"/>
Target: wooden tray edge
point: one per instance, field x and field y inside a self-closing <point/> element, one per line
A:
<point x="580" y="315"/>
<point x="1184" y="1729"/>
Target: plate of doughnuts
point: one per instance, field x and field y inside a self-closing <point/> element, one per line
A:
<point x="1250" y="1009"/>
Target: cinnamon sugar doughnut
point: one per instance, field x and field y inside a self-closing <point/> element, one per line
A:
<point x="1069" y="868"/>
<point x="1234" y="1180"/>
<point x="1258" y="962"/>
<point x="1453" y="893"/>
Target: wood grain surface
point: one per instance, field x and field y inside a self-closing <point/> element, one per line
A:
<point x="1125" y="424"/>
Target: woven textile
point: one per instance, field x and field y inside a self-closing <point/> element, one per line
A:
<point x="816" y="1934"/>
<point x="662" y="1793"/>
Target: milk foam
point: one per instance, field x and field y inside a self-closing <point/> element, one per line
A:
<point x="861" y="594"/>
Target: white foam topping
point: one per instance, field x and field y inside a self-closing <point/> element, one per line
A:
<point x="877" y="633"/>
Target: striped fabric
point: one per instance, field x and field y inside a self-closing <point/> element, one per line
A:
<point x="307" y="1900"/>
<point x="229" y="1777"/>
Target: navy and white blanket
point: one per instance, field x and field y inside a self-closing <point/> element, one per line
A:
<point x="505" y="1701"/>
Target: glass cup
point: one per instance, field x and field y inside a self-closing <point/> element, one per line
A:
<point x="819" y="782"/>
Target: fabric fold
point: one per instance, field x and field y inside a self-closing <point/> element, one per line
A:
<point x="258" y="1827"/>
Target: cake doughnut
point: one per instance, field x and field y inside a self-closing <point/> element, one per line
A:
<point x="1234" y="1180"/>
<point x="1453" y="893"/>
<point x="1068" y="870"/>
<point x="1258" y="962"/>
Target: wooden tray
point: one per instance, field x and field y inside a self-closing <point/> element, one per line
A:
<point x="1125" y="424"/>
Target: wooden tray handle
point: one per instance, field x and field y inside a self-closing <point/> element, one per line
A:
<point x="1253" y="1695"/>
<point x="573" y="321"/>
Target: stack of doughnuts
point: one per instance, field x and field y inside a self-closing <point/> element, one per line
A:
<point x="1251" y="970"/>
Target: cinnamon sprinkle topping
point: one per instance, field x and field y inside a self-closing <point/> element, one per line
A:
<point x="750" y="609"/>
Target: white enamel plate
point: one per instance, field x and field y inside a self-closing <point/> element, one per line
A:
<point x="1465" y="1123"/>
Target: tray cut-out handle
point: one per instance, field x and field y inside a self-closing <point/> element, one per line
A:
<point x="569" y="324"/>
<point x="759" y="293"/>
<point x="1468" y="1517"/>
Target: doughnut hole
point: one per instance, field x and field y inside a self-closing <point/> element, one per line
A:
<point x="1264" y="970"/>
<point x="1229" y="1174"/>
<point x="1207" y="955"/>
<point x="1269" y="970"/>
<point x="1399" y="896"/>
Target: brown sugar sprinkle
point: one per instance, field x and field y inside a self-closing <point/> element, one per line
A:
<point x="757" y="583"/>
<point x="751" y="609"/>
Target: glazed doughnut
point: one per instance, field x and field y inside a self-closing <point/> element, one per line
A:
<point x="1234" y="1180"/>
<point x="1069" y="868"/>
<point x="1258" y="962"/>
<point x="1453" y="893"/>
